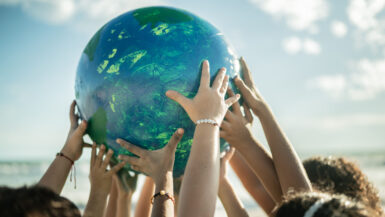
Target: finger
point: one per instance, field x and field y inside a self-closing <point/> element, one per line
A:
<point x="87" y="145"/>
<point x="246" y="73"/>
<point x="136" y="168"/>
<point x="230" y="101"/>
<point x="130" y="147"/>
<point x="219" y="79"/>
<point x="99" y="157"/>
<point x="247" y="94"/>
<point x="225" y="125"/>
<point x="229" y="115"/>
<point x="116" y="168"/>
<point x="107" y="159"/>
<point x="225" y="84"/>
<point x="205" y="77"/>
<point x="248" y="116"/>
<point x="229" y="154"/>
<point x="175" y="139"/>
<point x="73" y="117"/>
<point x="236" y="107"/>
<point x="179" y="98"/>
<point x="132" y="160"/>
<point x="81" y="129"/>
<point x="93" y="154"/>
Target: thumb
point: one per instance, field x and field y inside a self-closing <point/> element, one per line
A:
<point x="81" y="129"/>
<point x="175" y="139"/>
<point x="177" y="97"/>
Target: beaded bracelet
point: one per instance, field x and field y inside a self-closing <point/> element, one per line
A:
<point x="207" y="121"/>
<point x="163" y="193"/>
<point x="73" y="168"/>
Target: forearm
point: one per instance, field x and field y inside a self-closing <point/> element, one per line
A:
<point x="112" y="205"/>
<point x="96" y="204"/>
<point x="287" y="163"/>
<point x="252" y="183"/>
<point x="143" y="207"/>
<point x="163" y="206"/>
<point x="200" y="183"/>
<point x="123" y="207"/>
<point x="262" y="164"/>
<point x="56" y="175"/>
<point x="230" y="201"/>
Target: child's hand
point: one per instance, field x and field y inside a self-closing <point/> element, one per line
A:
<point x="249" y="92"/>
<point x="224" y="162"/>
<point x="153" y="163"/>
<point x="73" y="147"/>
<point x="100" y="178"/>
<point x="209" y="103"/>
<point x="236" y="129"/>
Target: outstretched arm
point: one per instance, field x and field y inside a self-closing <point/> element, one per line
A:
<point x="200" y="182"/>
<point x="157" y="164"/>
<point x="252" y="183"/>
<point x="289" y="168"/>
<point x="226" y="193"/>
<point x="236" y="130"/>
<point x="56" y="175"/>
<point x="143" y="206"/>
<point x="101" y="180"/>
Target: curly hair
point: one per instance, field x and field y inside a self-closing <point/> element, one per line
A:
<point x="35" y="200"/>
<point x="337" y="175"/>
<point x="295" y="204"/>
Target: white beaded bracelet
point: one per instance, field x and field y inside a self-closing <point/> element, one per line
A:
<point x="207" y="121"/>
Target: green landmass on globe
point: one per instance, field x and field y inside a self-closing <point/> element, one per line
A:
<point x="131" y="62"/>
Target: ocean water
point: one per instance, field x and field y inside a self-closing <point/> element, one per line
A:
<point x="19" y="173"/>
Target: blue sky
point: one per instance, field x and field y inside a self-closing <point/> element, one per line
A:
<point x="320" y="64"/>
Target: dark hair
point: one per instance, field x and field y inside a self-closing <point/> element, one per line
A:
<point x="26" y="201"/>
<point x="337" y="175"/>
<point x="296" y="205"/>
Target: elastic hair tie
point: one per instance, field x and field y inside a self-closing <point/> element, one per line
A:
<point x="314" y="208"/>
<point x="73" y="168"/>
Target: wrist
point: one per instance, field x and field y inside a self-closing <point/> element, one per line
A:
<point x="67" y="152"/>
<point x="98" y="192"/>
<point x="162" y="179"/>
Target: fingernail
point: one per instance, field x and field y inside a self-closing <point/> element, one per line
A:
<point x="117" y="140"/>
<point x="120" y="157"/>
<point x="180" y="131"/>
<point x="110" y="151"/>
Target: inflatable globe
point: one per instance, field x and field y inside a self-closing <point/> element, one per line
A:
<point x="131" y="62"/>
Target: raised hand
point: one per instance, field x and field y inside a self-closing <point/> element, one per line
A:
<point x="74" y="144"/>
<point x="209" y="102"/>
<point x="236" y="128"/>
<point x="100" y="177"/>
<point x="224" y="163"/>
<point x="153" y="163"/>
<point x="101" y="180"/>
<point x="249" y="91"/>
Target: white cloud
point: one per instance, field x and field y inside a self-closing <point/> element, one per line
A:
<point x="334" y="85"/>
<point x="294" y="45"/>
<point x="366" y="81"/>
<point x="311" y="47"/>
<point x="367" y="17"/>
<point x="338" y="29"/>
<point x="62" y="11"/>
<point x="299" y="14"/>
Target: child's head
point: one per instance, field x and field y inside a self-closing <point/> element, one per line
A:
<point x="35" y="201"/>
<point x="337" y="175"/>
<point x="316" y="204"/>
